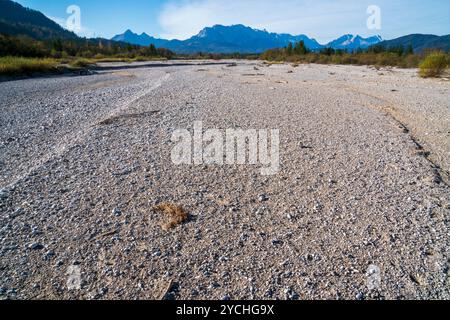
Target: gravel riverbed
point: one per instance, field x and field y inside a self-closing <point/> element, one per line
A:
<point x="362" y="186"/>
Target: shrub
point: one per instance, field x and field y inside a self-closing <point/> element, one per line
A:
<point x="433" y="65"/>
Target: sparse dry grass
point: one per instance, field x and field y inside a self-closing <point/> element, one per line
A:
<point x="20" y="66"/>
<point x="175" y="215"/>
<point x="13" y="66"/>
<point x="269" y="63"/>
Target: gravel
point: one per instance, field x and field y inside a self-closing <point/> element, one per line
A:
<point x="354" y="189"/>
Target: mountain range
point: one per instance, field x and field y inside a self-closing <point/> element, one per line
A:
<point x="18" y="20"/>
<point x="243" y="39"/>
<point x="351" y="42"/>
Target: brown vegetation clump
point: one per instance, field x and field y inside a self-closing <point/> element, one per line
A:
<point x="175" y="215"/>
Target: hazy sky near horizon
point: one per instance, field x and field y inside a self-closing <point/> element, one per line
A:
<point x="323" y="20"/>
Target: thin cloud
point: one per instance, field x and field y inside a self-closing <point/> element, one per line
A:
<point x="84" y="32"/>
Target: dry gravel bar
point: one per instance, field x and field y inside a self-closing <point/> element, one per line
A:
<point x="365" y="156"/>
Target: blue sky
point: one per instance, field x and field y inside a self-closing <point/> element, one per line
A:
<point x="321" y="19"/>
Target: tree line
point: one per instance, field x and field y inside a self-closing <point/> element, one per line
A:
<point x="402" y="56"/>
<point x="25" y="46"/>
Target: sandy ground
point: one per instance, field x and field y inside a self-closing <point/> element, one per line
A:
<point x="363" y="185"/>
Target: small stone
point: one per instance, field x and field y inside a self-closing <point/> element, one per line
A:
<point x="269" y="293"/>
<point x="318" y="207"/>
<point x="226" y="298"/>
<point x="284" y="263"/>
<point x="276" y="242"/>
<point x="291" y="294"/>
<point x="117" y="212"/>
<point x="103" y="291"/>
<point x="49" y="254"/>
<point x="194" y="293"/>
<point x="261" y="211"/>
<point x="214" y="285"/>
<point x="59" y="263"/>
<point x="35" y="231"/>
<point x="360" y="296"/>
<point x="3" y="194"/>
<point x="157" y="253"/>
<point x="36" y="246"/>
<point x="223" y="259"/>
<point x="263" y="198"/>
<point x="11" y="292"/>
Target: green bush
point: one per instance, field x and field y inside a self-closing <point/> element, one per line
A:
<point x="433" y="65"/>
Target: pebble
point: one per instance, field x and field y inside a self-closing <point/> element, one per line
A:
<point x="49" y="254"/>
<point x="103" y="291"/>
<point x="291" y="294"/>
<point x="214" y="285"/>
<point x="117" y="212"/>
<point x="263" y="198"/>
<point x="276" y="242"/>
<point x="157" y="253"/>
<point x="36" y="246"/>
<point x="3" y="194"/>
<point x="35" y="231"/>
<point x="194" y="293"/>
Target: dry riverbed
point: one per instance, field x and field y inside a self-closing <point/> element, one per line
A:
<point x="363" y="185"/>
